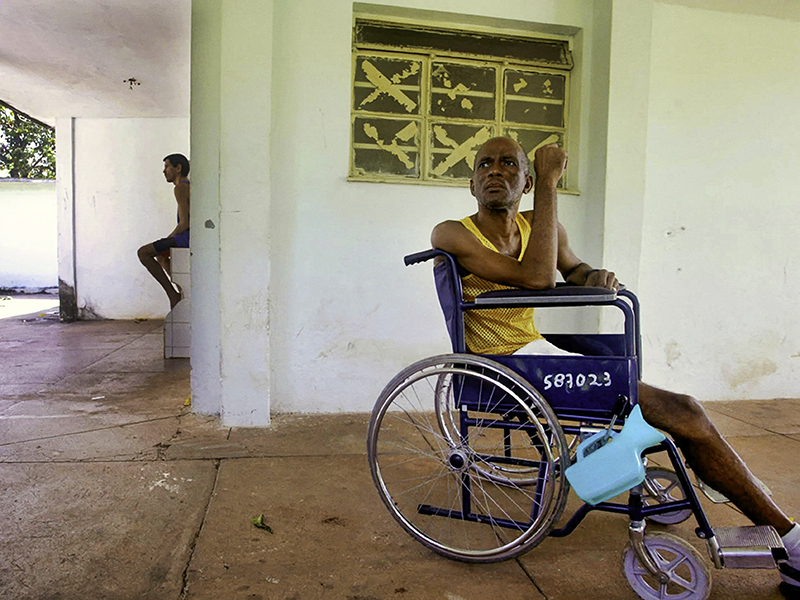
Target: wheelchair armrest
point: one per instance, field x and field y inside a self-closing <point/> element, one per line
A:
<point x="423" y="256"/>
<point x="562" y="295"/>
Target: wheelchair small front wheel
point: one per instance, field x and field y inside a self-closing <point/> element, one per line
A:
<point x="688" y="578"/>
<point x="662" y="485"/>
<point x="468" y="458"/>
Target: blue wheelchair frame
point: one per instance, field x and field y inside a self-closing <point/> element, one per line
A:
<point x="586" y="392"/>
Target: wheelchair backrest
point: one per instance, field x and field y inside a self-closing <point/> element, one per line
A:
<point x="449" y="291"/>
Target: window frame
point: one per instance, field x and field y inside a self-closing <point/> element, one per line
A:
<point x="426" y="120"/>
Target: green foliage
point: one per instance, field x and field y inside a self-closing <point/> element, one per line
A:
<point x="27" y="148"/>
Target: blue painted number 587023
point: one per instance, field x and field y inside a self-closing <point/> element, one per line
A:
<point x="579" y="380"/>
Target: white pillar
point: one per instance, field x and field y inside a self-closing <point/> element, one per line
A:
<point x="65" y="194"/>
<point x="626" y="144"/>
<point x="629" y="90"/>
<point x="204" y="215"/>
<point x="231" y="107"/>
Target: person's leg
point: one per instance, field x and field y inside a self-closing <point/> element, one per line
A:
<point x="711" y="457"/>
<point x="542" y="347"/>
<point x="147" y="256"/>
<point x="163" y="260"/>
<point x="718" y="465"/>
<point x="181" y="241"/>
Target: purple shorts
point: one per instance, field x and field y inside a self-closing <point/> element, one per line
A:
<point x="178" y="241"/>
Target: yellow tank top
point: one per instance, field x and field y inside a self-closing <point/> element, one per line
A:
<point x="498" y="330"/>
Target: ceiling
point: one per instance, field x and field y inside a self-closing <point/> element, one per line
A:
<point x="76" y="58"/>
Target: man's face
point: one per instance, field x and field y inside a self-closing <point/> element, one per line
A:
<point x="500" y="178"/>
<point x="170" y="171"/>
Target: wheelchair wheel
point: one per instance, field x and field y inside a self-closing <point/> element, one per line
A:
<point x="660" y="486"/>
<point x="688" y="576"/>
<point x="468" y="458"/>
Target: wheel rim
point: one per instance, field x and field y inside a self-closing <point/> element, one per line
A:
<point x="689" y="578"/>
<point x="420" y="457"/>
<point x="662" y="486"/>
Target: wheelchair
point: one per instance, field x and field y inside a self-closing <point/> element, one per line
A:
<point x="472" y="454"/>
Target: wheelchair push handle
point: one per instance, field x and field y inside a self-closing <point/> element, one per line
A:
<point x="418" y="257"/>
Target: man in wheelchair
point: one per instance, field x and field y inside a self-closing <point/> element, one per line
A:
<point x="500" y="247"/>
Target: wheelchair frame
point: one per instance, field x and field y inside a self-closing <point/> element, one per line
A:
<point x="538" y="400"/>
<point x="565" y="404"/>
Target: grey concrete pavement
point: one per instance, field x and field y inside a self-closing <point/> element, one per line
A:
<point x="113" y="489"/>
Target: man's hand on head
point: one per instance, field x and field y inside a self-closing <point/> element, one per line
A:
<point x="602" y="278"/>
<point x="549" y="163"/>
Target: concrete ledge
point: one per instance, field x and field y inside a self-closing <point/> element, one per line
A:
<point x="178" y="323"/>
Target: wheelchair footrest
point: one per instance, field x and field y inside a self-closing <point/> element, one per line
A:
<point x="757" y="547"/>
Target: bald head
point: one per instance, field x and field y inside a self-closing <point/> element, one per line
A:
<point x="524" y="163"/>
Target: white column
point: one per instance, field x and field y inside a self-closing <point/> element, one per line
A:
<point x="629" y="90"/>
<point x="65" y="194"/>
<point x="231" y="107"/>
<point x="246" y="88"/>
<point x="626" y="146"/>
<point x="204" y="215"/>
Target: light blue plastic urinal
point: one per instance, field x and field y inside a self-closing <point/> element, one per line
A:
<point x="602" y="473"/>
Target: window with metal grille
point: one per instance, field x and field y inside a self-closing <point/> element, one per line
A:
<point x="424" y="99"/>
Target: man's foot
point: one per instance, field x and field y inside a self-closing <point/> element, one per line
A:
<point x="790" y="572"/>
<point x="790" y="569"/>
<point x="174" y="298"/>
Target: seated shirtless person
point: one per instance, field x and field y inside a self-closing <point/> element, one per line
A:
<point x="155" y="256"/>
<point x="499" y="246"/>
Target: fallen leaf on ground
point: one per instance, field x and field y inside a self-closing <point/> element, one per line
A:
<point x="259" y="522"/>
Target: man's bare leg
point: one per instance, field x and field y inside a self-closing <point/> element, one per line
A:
<point x="147" y="256"/>
<point x="165" y="263"/>
<point x="711" y="457"/>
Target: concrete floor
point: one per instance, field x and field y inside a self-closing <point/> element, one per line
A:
<point x="113" y="489"/>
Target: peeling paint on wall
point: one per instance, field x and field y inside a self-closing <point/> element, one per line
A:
<point x="465" y="151"/>
<point x="88" y="313"/>
<point x="404" y="134"/>
<point x="749" y="371"/>
<point x="389" y="87"/>
<point x="673" y="353"/>
<point x="671" y="233"/>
